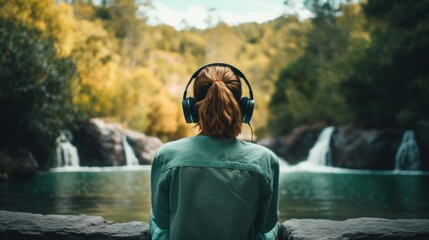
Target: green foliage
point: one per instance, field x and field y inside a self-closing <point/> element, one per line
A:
<point x="308" y="89"/>
<point x="34" y="91"/>
<point x="390" y="82"/>
<point x="368" y="67"/>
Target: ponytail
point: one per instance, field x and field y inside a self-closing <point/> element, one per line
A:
<point x="218" y="91"/>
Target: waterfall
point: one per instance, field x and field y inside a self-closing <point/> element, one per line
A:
<point x="317" y="155"/>
<point x="407" y="156"/>
<point x="66" y="153"/>
<point x="130" y="156"/>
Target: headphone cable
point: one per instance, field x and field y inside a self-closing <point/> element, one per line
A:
<point x="251" y="130"/>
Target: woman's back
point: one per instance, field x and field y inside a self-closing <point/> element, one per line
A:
<point x="217" y="188"/>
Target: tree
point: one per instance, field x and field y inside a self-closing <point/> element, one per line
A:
<point x="34" y="91"/>
<point x="308" y="89"/>
<point x="93" y="86"/>
<point x="389" y="86"/>
<point x="122" y="19"/>
<point x="53" y="21"/>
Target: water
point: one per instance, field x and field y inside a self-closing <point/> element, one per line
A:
<point x="318" y="153"/>
<point x="130" y="156"/>
<point x="122" y="194"/>
<point x="116" y="193"/>
<point x="332" y="193"/>
<point x="408" y="156"/>
<point x="66" y="153"/>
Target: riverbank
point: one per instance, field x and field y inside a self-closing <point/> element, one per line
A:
<point x="22" y="226"/>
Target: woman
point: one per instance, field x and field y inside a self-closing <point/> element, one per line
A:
<point x="214" y="186"/>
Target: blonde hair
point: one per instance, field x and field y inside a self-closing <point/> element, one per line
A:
<point x="217" y="90"/>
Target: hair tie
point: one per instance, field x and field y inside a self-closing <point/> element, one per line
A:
<point x="217" y="80"/>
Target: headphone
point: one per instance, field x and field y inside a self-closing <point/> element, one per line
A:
<point x="247" y="104"/>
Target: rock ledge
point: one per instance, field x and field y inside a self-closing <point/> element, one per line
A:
<point x="23" y="226"/>
<point x="16" y="225"/>
<point x="356" y="228"/>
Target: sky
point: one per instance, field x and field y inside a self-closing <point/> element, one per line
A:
<point x="181" y="13"/>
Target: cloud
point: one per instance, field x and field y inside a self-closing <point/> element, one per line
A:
<point x="198" y="16"/>
<point x="193" y="15"/>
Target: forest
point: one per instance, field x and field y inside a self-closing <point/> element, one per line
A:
<point x="64" y="62"/>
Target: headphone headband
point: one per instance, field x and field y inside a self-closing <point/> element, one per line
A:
<point x="234" y="70"/>
<point x="246" y="104"/>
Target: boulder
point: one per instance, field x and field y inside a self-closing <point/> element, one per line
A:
<point x="144" y="146"/>
<point x="364" y="149"/>
<point x="23" y="226"/>
<point x="17" y="166"/>
<point x="99" y="143"/>
<point x="357" y="228"/>
<point x="422" y="138"/>
<point x="294" y="147"/>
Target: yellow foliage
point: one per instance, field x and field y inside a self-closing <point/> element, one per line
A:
<point x="142" y="103"/>
<point x="96" y="64"/>
<point x="162" y="115"/>
<point x="53" y="20"/>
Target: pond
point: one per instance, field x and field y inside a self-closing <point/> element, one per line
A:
<point x="122" y="194"/>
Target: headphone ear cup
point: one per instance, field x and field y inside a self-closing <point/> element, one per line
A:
<point x="189" y="110"/>
<point x="246" y="105"/>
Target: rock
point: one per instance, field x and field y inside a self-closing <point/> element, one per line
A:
<point x="422" y="138"/>
<point x="17" y="166"/>
<point x="357" y="228"/>
<point x="144" y="146"/>
<point x="350" y="146"/>
<point x="364" y="149"/>
<point x="22" y="226"/>
<point x="99" y="143"/>
<point x="276" y="145"/>
<point x="295" y="146"/>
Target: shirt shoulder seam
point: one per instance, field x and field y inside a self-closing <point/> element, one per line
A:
<point x="219" y="165"/>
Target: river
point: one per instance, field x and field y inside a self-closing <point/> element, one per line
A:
<point x="122" y="194"/>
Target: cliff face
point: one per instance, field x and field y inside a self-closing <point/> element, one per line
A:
<point x="364" y="149"/>
<point x="294" y="147"/>
<point x="18" y="166"/>
<point x="352" y="147"/>
<point x="100" y="143"/>
<point x="23" y="226"/>
<point x="422" y="137"/>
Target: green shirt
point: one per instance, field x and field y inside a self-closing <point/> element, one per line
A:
<point x="214" y="188"/>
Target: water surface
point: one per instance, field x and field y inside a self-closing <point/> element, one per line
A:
<point x="123" y="194"/>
